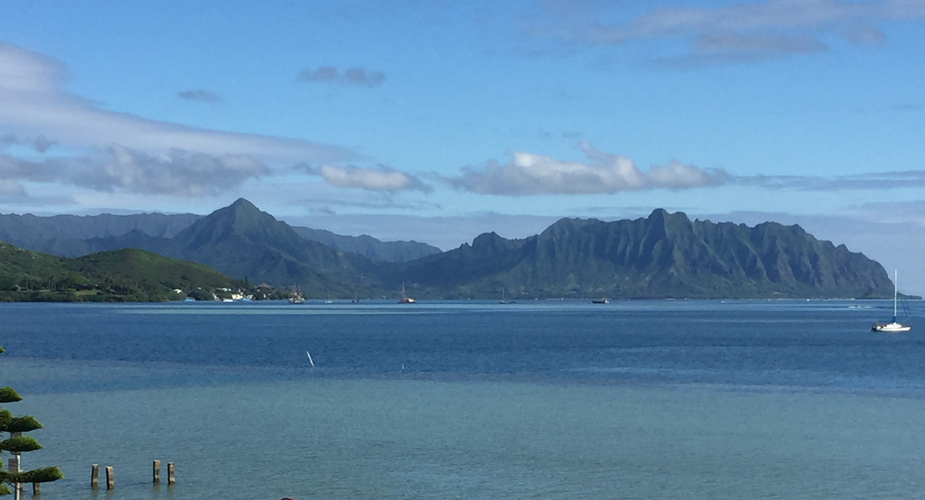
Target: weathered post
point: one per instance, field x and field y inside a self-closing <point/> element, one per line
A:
<point x="110" y="480"/>
<point x="36" y="489"/>
<point x="95" y="476"/>
<point x="14" y="468"/>
<point x="157" y="472"/>
<point x="170" y="474"/>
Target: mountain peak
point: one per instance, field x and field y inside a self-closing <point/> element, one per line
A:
<point x="241" y="218"/>
<point x="243" y="213"/>
<point x="660" y="214"/>
<point x="567" y="226"/>
<point x="242" y="204"/>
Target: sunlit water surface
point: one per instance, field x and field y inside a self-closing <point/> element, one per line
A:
<point x="474" y="400"/>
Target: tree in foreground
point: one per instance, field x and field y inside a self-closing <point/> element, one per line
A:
<point x="17" y="444"/>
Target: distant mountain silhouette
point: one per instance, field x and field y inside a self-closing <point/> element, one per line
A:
<point x="664" y="255"/>
<point x="387" y="251"/>
<point x="63" y="235"/>
<point x="68" y="235"/>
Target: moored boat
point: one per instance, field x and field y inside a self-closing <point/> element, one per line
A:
<point x="893" y="326"/>
<point x="405" y="299"/>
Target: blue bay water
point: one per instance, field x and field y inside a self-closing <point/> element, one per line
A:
<point x="539" y="399"/>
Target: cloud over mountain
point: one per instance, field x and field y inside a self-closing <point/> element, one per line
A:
<point x="175" y="173"/>
<point x="107" y="151"/>
<point x="533" y="174"/>
<point x="380" y="178"/>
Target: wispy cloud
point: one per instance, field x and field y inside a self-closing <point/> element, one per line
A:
<point x="175" y="173"/>
<point x="380" y="178"/>
<point x="740" y="32"/>
<point x="532" y="174"/>
<point x="353" y="76"/>
<point x="39" y="143"/>
<point x="32" y="103"/>
<point x="199" y="95"/>
<point x="875" y="180"/>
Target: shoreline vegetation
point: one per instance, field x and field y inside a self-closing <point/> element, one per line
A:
<point x="128" y="275"/>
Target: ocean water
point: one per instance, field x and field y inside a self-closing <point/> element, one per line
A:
<point x="473" y="400"/>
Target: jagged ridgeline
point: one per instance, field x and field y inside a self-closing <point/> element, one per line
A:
<point x="662" y="256"/>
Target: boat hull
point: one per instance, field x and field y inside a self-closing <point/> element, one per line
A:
<point x="891" y="328"/>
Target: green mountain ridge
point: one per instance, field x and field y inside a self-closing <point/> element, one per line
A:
<point x="75" y="236"/>
<point x="114" y="276"/>
<point x="662" y="256"/>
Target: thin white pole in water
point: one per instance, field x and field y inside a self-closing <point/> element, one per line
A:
<point x="310" y="359"/>
<point x="895" y="291"/>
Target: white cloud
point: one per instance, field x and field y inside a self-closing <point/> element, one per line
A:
<point x="32" y="103"/>
<point x="175" y="173"/>
<point x="371" y="179"/>
<point x="532" y="174"/>
<point x="178" y="173"/>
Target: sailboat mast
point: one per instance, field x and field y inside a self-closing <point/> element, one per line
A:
<point x="895" y="292"/>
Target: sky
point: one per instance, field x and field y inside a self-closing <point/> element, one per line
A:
<point x="436" y="121"/>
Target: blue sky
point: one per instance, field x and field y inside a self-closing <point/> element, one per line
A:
<point x="438" y="120"/>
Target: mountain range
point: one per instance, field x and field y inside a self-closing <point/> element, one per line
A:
<point x="662" y="256"/>
<point x="66" y="235"/>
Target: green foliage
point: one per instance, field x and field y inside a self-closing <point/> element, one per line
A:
<point x="127" y="275"/>
<point x="17" y="444"/>
<point x="20" y="444"/>
<point x="9" y="395"/>
<point x="43" y="475"/>
<point x="19" y="424"/>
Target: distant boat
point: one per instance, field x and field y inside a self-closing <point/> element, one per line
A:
<point x="600" y="301"/>
<point x="893" y="326"/>
<point x="405" y="299"/>
<point x="296" y="297"/>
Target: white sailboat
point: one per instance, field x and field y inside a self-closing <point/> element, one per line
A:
<point x="405" y="299"/>
<point x="893" y="326"/>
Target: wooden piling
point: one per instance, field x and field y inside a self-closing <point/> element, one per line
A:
<point x="170" y="480"/>
<point x="36" y="489"/>
<point x="110" y="480"/>
<point x="157" y="472"/>
<point x="95" y="476"/>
